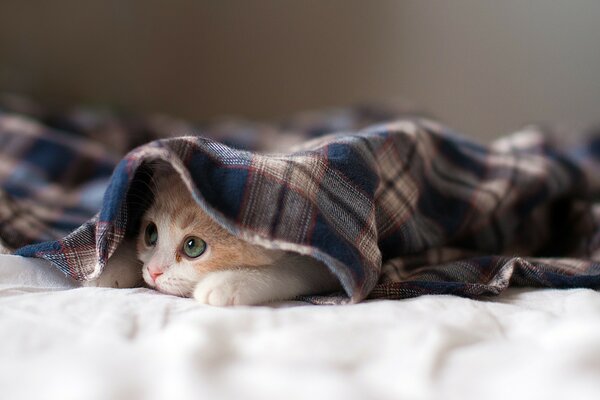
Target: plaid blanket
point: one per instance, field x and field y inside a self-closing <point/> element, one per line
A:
<point x="396" y="205"/>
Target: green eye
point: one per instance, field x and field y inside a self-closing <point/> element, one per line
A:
<point x="151" y="234"/>
<point x="193" y="246"/>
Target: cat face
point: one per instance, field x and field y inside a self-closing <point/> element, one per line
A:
<point x="179" y="243"/>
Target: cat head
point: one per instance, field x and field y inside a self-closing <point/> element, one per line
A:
<point x="179" y="243"/>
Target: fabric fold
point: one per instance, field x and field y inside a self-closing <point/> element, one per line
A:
<point x="396" y="209"/>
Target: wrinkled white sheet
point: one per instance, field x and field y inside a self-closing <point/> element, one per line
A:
<point x="93" y="343"/>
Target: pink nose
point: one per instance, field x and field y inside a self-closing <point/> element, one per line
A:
<point x="154" y="273"/>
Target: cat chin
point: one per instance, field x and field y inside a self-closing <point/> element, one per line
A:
<point x="178" y="280"/>
<point x="170" y="285"/>
<point x="175" y="289"/>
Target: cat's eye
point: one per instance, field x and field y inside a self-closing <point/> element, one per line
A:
<point x="193" y="246"/>
<point x="151" y="234"/>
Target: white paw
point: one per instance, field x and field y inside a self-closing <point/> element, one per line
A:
<point x="123" y="270"/>
<point x="226" y="288"/>
<point x="108" y="279"/>
<point x="112" y="277"/>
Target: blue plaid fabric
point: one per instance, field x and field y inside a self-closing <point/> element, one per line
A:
<point x="395" y="209"/>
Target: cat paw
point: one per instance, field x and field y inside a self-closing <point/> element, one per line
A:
<point x="114" y="279"/>
<point x="109" y="278"/>
<point x="118" y="274"/>
<point x="225" y="288"/>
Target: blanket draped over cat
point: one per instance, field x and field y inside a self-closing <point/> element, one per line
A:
<point x="396" y="205"/>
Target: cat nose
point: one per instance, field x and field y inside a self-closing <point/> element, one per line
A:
<point x="155" y="271"/>
<point x="155" y="274"/>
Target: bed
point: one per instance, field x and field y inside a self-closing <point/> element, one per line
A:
<point x="61" y="342"/>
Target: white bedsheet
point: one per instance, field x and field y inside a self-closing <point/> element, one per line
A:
<point x="93" y="343"/>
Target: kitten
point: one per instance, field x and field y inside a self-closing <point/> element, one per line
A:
<point x="185" y="253"/>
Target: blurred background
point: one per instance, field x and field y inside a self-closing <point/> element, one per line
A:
<point x="483" y="67"/>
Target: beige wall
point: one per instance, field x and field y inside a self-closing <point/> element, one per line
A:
<point x="485" y="67"/>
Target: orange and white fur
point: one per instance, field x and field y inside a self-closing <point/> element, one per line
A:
<point x="185" y="253"/>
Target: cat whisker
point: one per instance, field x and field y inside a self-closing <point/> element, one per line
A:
<point x="152" y="189"/>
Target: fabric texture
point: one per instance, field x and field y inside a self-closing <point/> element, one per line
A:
<point x="141" y="344"/>
<point x="396" y="205"/>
